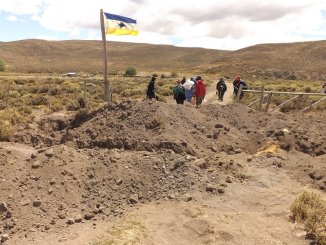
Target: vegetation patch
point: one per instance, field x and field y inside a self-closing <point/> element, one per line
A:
<point x="310" y="210"/>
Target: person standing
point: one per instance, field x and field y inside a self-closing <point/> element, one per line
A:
<point x="179" y="93"/>
<point x="236" y="85"/>
<point x="151" y="88"/>
<point x="183" y="80"/>
<point x="221" y="88"/>
<point x="189" y="87"/>
<point x="200" y="90"/>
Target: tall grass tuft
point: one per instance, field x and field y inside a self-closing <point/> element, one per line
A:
<point x="310" y="209"/>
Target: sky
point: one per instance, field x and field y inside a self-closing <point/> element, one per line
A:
<point x="215" y="24"/>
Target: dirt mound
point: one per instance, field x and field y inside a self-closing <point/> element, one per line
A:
<point x="66" y="170"/>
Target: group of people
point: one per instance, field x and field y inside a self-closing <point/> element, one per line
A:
<point x="193" y="90"/>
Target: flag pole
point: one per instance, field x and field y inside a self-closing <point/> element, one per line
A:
<point x="107" y="90"/>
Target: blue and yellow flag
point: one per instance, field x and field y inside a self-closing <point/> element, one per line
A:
<point x="120" y="25"/>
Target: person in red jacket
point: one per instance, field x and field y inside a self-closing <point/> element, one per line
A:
<point x="200" y="90"/>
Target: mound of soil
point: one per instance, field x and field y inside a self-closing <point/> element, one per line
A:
<point x="66" y="170"/>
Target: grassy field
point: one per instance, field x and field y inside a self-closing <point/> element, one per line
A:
<point x="286" y="86"/>
<point x="22" y="94"/>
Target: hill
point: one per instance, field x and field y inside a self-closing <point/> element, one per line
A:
<point x="62" y="56"/>
<point x="305" y="60"/>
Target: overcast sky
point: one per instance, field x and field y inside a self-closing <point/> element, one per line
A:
<point x="217" y="24"/>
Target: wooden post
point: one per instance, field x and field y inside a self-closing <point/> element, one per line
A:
<point x="85" y="95"/>
<point x="261" y="98"/>
<point x="298" y="104"/>
<point x="255" y="101"/>
<point x="239" y="93"/>
<point x="107" y="89"/>
<point x="268" y="102"/>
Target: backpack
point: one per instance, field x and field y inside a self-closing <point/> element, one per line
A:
<point x="179" y="92"/>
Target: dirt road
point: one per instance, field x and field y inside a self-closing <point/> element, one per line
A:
<point x="212" y="98"/>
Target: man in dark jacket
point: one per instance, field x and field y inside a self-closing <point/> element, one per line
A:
<point x="236" y="85"/>
<point x="221" y="88"/>
<point x="151" y="88"/>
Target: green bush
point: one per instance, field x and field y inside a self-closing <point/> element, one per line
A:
<point x="2" y="65"/>
<point x="131" y="71"/>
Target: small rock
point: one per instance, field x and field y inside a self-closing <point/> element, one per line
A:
<point x="52" y="181"/>
<point x="71" y="221"/>
<point x="133" y="199"/>
<point x="216" y="134"/>
<point x="36" y="164"/>
<point x="118" y="181"/>
<point x="188" y="198"/>
<point x="49" y="153"/>
<point x="228" y="179"/>
<point x="238" y="151"/>
<point x="209" y="188"/>
<point x="89" y="216"/>
<point x="221" y="191"/>
<point x="62" y="215"/>
<point x="4" y="237"/>
<point x="279" y="133"/>
<point x="78" y="218"/>
<point x="213" y="148"/>
<point x="3" y="207"/>
<point x="201" y="163"/>
<point x="219" y="125"/>
<point x="37" y="203"/>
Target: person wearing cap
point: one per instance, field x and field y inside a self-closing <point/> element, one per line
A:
<point x="236" y="85"/>
<point x="151" y="88"/>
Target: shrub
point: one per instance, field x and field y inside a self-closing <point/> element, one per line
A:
<point x="131" y="71"/>
<point x="72" y="106"/>
<point x="2" y="65"/>
<point x="14" y="94"/>
<point x="6" y="130"/>
<point x="308" y="89"/>
<point x="174" y="74"/>
<point x="38" y="100"/>
<point x="309" y="209"/>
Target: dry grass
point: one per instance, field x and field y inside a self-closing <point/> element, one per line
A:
<point x="286" y="86"/>
<point x="130" y="232"/>
<point x="310" y="209"/>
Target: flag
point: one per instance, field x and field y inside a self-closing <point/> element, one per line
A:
<point x="120" y="25"/>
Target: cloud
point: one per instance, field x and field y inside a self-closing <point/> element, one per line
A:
<point x="206" y="23"/>
<point x="21" y="7"/>
<point x="12" y="18"/>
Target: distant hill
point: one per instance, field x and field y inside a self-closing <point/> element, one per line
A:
<point x="304" y="60"/>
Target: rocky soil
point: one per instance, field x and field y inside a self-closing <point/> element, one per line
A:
<point x="68" y="171"/>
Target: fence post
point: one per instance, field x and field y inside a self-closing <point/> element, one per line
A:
<point x="261" y="98"/>
<point x="239" y="93"/>
<point x="85" y="94"/>
<point x="268" y="102"/>
<point x="298" y="104"/>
